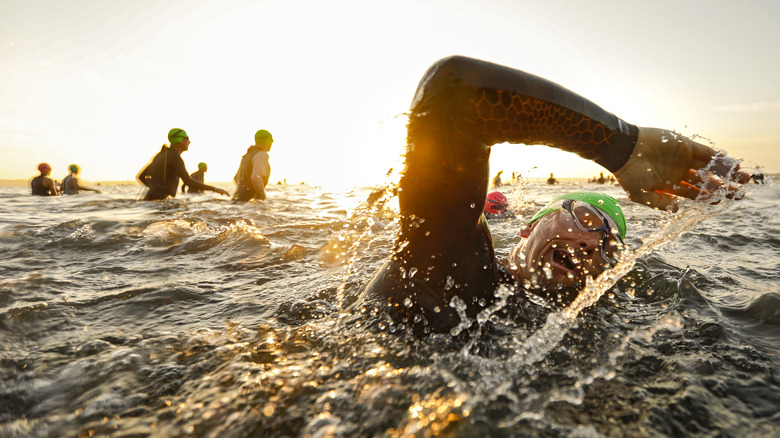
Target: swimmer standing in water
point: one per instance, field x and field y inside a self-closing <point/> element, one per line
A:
<point x="254" y="170"/>
<point x="199" y="176"/>
<point x="43" y="185"/>
<point x="71" y="184"/>
<point x="162" y="175"/>
<point x="444" y="249"/>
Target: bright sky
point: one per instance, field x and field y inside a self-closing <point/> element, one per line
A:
<point x="100" y="83"/>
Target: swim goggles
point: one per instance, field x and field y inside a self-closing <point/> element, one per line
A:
<point x="590" y="219"/>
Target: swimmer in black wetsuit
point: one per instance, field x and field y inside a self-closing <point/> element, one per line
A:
<point x="444" y="249"/>
<point x="42" y="185"/>
<point x="71" y="184"/>
<point x="199" y="176"/>
<point x="167" y="167"/>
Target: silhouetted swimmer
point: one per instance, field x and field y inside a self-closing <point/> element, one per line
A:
<point x="443" y="261"/>
<point x="162" y="175"/>
<point x="71" y="184"/>
<point x="254" y="170"/>
<point x="43" y="185"/>
<point x="199" y="176"/>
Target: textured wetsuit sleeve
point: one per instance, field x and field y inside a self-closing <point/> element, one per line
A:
<point x="463" y="106"/>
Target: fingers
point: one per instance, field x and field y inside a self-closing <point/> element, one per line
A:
<point x="689" y="191"/>
<point x="741" y="177"/>
<point x="708" y="159"/>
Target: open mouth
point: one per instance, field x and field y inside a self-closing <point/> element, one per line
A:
<point x="564" y="259"/>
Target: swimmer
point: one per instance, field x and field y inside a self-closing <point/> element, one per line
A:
<point x="43" y="185"/>
<point x="551" y="180"/>
<point x="167" y="167"/>
<point x="444" y="255"/>
<point x="71" y="184"/>
<point x="254" y="170"/>
<point x="199" y="176"/>
<point x="497" y="179"/>
<point x="497" y="206"/>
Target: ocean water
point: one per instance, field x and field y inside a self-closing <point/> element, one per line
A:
<point x="201" y="317"/>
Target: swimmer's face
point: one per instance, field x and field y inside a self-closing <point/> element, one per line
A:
<point x="556" y="256"/>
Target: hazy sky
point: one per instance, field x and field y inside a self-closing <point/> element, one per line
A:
<point x="100" y="83"/>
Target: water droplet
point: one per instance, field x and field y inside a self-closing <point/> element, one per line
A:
<point x="412" y="271"/>
<point x="664" y="139"/>
<point x="601" y="202"/>
<point x="449" y="284"/>
<point x="473" y="205"/>
<point x="408" y="302"/>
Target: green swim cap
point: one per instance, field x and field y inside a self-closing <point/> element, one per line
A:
<point x="202" y="165"/>
<point x="176" y="135"/>
<point x="605" y="203"/>
<point x="263" y="137"/>
<point x="74" y="168"/>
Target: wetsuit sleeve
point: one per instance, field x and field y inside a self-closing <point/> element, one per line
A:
<point x="144" y="174"/>
<point x="463" y="106"/>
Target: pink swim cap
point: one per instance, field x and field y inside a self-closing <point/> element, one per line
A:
<point x="496" y="203"/>
<point x="43" y="167"/>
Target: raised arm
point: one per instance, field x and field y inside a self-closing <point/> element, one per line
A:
<point x="462" y="107"/>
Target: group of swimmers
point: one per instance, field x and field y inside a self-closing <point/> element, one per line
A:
<point x="44" y="185"/>
<point x="163" y="173"/>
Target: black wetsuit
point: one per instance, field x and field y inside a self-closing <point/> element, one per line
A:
<point x="199" y="176"/>
<point x="463" y="106"/>
<point x="67" y="185"/>
<point x="163" y="173"/>
<point x="38" y="189"/>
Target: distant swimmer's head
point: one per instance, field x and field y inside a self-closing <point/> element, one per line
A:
<point x="575" y="236"/>
<point x="263" y="138"/>
<point x="176" y="135"/>
<point x="203" y="166"/>
<point x="44" y="168"/>
<point x="74" y="168"/>
<point x="496" y="203"/>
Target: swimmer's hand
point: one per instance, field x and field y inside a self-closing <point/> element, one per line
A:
<point x="666" y="164"/>
<point x="221" y="191"/>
